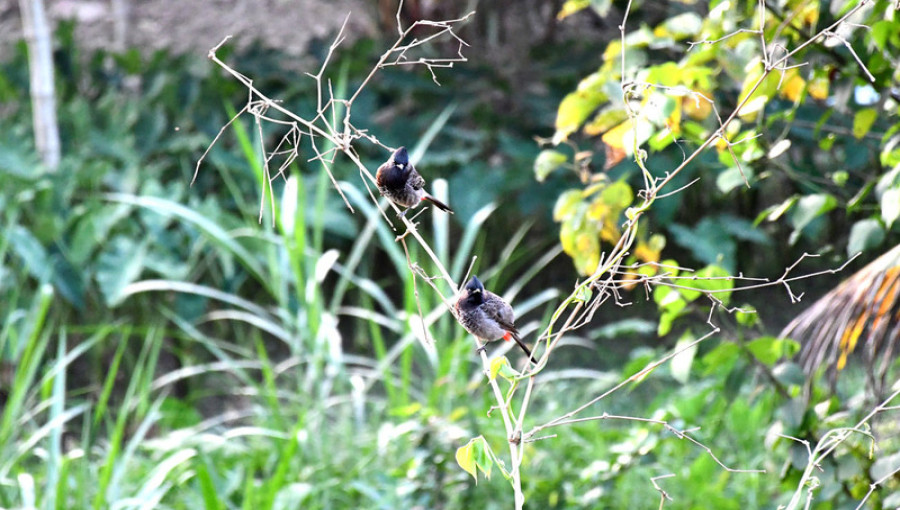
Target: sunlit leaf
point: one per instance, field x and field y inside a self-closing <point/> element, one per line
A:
<point x="697" y="107"/>
<point x="571" y="7"/>
<point x="119" y="265"/>
<point x="818" y="88"/>
<point x="546" y="162"/>
<point x="769" y="349"/>
<point x="746" y="316"/>
<point x="732" y="178"/>
<point x="680" y="26"/>
<point x="605" y="120"/>
<point x="566" y="204"/>
<point x="890" y="206"/>
<point x="681" y="363"/>
<point x="793" y="85"/>
<point x="779" y="148"/>
<point x="865" y="235"/>
<point x="475" y="456"/>
<point x="863" y="121"/>
<point x="500" y="366"/>
<point x="577" y="106"/>
<point x="628" y="135"/>
<point x="811" y="207"/>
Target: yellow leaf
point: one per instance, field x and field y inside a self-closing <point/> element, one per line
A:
<point x="809" y="15"/>
<point x="571" y="7"/>
<point x="613" y="49"/>
<point x="465" y="457"/>
<point x="793" y="85"/>
<point x="604" y="120"/>
<point x="818" y="88"/>
<point x="697" y="107"/>
<point x="615" y="137"/>
<point x="649" y="251"/>
<point x="863" y="121"/>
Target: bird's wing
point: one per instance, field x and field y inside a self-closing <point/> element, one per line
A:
<point x="499" y="310"/>
<point x="415" y="180"/>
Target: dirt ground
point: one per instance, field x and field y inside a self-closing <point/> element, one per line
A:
<point x="196" y="26"/>
<point x="501" y="34"/>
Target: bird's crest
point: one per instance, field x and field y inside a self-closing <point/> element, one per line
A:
<point x="401" y="157"/>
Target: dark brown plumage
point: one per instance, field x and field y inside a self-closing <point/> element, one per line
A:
<point x="399" y="182"/>
<point x="487" y="316"/>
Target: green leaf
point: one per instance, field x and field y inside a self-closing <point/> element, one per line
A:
<point x="863" y="121"/>
<point x="811" y="207"/>
<point x="732" y="178"/>
<point x="546" y="162"/>
<point x="119" y="264"/>
<point x="577" y="106"/>
<point x="683" y="25"/>
<point x="769" y="349"/>
<point x="502" y="367"/>
<point x="30" y="251"/>
<point x="890" y="206"/>
<point x="711" y="279"/>
<point x="681" y="362"/>
<point x="748" y="318"/>
<point x="721" y="357"/>
<point x="566" y="204"/>
<point x="474" y="456"/>
<point x="865" y="235"/>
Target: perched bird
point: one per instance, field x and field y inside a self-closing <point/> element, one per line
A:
<point x="398" y="180"/>
<point x="487" y="316"/>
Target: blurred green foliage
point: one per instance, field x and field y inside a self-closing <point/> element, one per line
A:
<point x="163" y="348"/>
<point x="810" y="162"/>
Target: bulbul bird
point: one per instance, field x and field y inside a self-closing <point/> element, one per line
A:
<point x="487" y="316"/>
<point x="398" y="181"/>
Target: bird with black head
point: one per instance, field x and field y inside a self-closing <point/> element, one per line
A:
<point x="487" y="315"/>
<point x="399" y="182"/>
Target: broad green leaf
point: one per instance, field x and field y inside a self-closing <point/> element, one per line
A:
<point x="746" y="316"/>
<point x="721" y="357"/>
<point x="865" y="235"/>
<point x="617" y="195"/>
<point x="673" y="309"/>
<point x="811" y="207"/>
<point x="863" y="121"/>
<point x="732" y="178"/>
<point x="546" y="162"/>
<point x="120" y="264"/>
<point x="682" y="362"/>
<point x="711" y="279"/>
<point x="890" y="206"/>
<point x="30" y="251"/>
<point x="769" y="349"/>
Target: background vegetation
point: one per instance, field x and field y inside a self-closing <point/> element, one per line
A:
<point x="162" y="347"/>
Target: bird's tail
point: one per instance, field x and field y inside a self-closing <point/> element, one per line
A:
<point x="437" y="203"/>
<point x="519" y="341"/>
